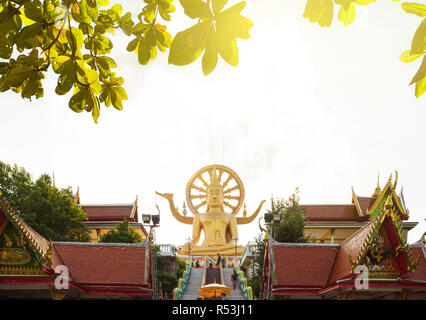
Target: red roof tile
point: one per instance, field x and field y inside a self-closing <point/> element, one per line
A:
<point x="95" y="264"/>
<point x="303" y="265"/>
<point x="109" y="213"/>
<point x="346" y="212"/>
<point x="365" y="203"/>
<point x="420" y="273"/>
<point x="352" y="245"/>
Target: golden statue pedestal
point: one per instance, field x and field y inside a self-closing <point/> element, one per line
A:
<point x="225" y="250"/>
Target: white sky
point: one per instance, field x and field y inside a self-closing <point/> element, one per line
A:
<point x="319" y="108"/>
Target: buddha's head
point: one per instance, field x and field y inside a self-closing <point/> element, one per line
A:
<point x="214" y="193"/>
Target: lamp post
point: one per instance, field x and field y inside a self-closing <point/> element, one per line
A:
<point x="236" y="239"/>
<point x="189" y="251"/>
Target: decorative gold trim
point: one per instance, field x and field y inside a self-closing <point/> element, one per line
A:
<point x="355" y="200"/>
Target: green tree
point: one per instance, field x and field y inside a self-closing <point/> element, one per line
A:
<point x="72" y="38"/>
<point x="258" y="264"/>
<point x="290" y="228"/>
<point x="48" y="210"/>
<point x="322" y="12"/>
<point x="168" y="281"/>
<point x="123" y="234"/>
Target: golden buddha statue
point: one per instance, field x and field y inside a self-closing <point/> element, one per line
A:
<point x="220" y="227"/>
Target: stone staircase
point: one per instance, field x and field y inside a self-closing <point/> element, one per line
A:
<point x="235" y="294"/>
<point x="194" y="284"/>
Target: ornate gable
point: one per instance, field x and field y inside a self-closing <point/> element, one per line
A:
<point x="388" y="191"/>
<point x="385" y="251"/>
<point x="22" y="250"/>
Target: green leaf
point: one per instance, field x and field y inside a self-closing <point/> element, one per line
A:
<point x="58" y="62"/>
<point x="320" y="11"/>
<point x="96" y="110"/>
<point x="209" y="61"/>
<point x="363" y="2"/>
<point x="421" y="73"/>
<point x="188" y="45"/>
<point x="235" y="9"/>
<point x="144" y="51"/>
<point x="165" y="8"/>
<point x="416" y="8"/>
<point x="133" y="44"/>
<point x="77" y="102"/>
<point x="344" y="3"/>
<point x="117" y="8"/>
<point x="92" y="9"/>
<point x="218" y="5"/>
<point x="34" y="10"/>
<point x="6" y="46"/>
<point x="68" y="75"/>
<point x="33" y="86"/>
<point x="234" y="26"/>
<point x="163" y="37"/>
<point x="117" y="95"/>
<point x="114" y="94"/>
<point x="88" y="11"/>
<point x="418" y="44"/>
<point x="140" y="28"/>
<point x="420" y="87"/>
<point x="25" y="20"/>
<point x="75" y="37"/>
<point x="347" y="16"/>
<point x="18" y="74"/>
<point x="27" y="34"/>
<point x="407" y="57"/>
<point x="196" y="9"/>
<point x="103" y="3"/>
<point x="228" y="49"/>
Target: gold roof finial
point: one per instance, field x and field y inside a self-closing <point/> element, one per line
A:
<point x="378" y="189"/>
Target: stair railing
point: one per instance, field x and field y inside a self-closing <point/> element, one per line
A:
<point x="203" y="282"/>
<point x="246" y="290"/>
<point x="182" y="283"/>
<point x="221" y="274"/>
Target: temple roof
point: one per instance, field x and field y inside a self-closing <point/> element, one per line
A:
<point x="111" y="212"/>
<point x="303" y="265"/>
<point x="103" y="264"/>
<point x="38" y="243"/>
<point x="361" y="208"/>
<point x="418" y="250"/>
<point x="343" y="212"/>
<point x="350" y="247"/>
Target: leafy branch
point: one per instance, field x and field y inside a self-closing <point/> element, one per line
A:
<point x="71" y="36"/>
<point x="322" y="12"/>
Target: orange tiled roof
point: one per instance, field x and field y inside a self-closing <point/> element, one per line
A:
<point x="103" y="264"/>
<point x="303" y="264"/>
<point x="365" y="203"/>
<point x="351" y="246"/>
<point x="109" y="212"/>
<point x="344" y="212"/>
<point x="419" y="250"/>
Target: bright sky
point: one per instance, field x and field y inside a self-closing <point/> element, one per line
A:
<point x="323" y="109"/>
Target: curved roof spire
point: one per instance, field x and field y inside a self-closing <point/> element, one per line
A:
<point x="378" y="189"/>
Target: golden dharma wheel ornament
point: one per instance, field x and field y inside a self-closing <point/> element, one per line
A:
<point x="215" y="174"/>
